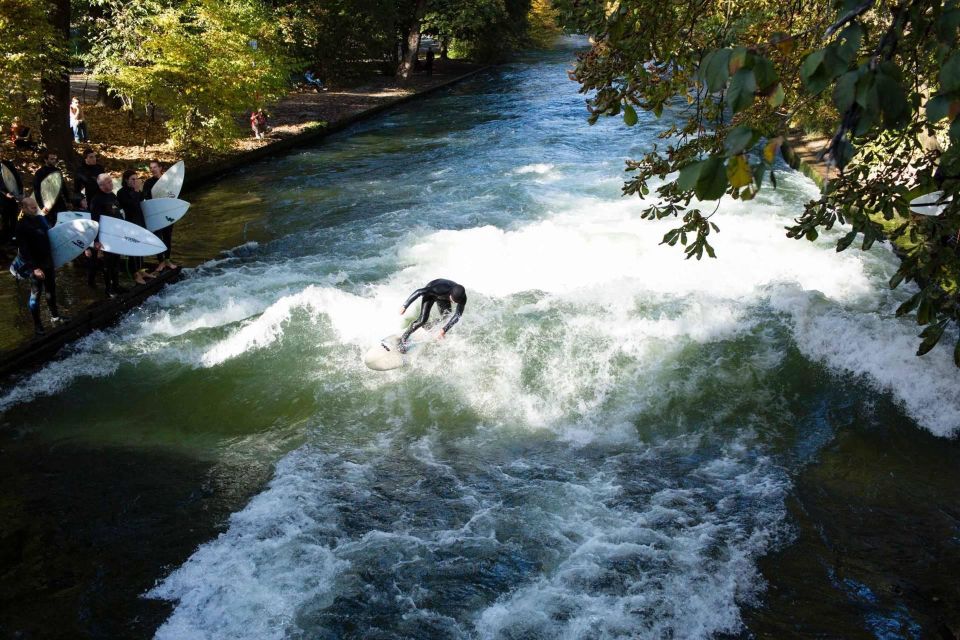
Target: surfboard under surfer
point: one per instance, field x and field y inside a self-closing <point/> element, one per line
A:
<point x="440" y="292"/>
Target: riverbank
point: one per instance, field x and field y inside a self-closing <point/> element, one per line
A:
<point x="303" y="118"/>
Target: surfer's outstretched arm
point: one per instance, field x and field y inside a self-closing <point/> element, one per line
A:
<point x="413" y="296"/>
<point x="455" y="318"/>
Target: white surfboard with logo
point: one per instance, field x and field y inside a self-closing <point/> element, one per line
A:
<point x="170" y="183"/>
<point x="68" y="239"/>
<point x="127" y="239"/>
<point x="159" y="213"/>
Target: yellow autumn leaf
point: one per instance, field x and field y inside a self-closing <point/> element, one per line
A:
<point x="771" y="148"/>
<point x="738" y="171"/>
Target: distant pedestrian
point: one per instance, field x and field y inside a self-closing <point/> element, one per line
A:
<point x="314" y="81"/>
<point x="77" y="122"/>
<point x="258" y="122"/>
<point x="429" y="66"/>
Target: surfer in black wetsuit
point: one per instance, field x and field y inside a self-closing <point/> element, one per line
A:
<point x="34" y="262"/>
<point x="165" y="234"/>
<point x="130" y="197"/>
<point x="10" y="202"/>
<point x="441" y="292"/>
<point x="50" y="209"/>
<point x="87" y="174"/>
<point x="105" y="203"/>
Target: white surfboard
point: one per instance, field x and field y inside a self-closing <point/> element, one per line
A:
<point x="50" y="188"/>
<point x="69" y="239"/>
<point x="159" y="213"/>
<point x="69" y="216"/>
<point x="127" y="239"/>
<point x="170" y="183"/>
<point x="117" y="185"/>
<point x="386" y="355"/>
<point x="929" y="205"/>
<point x="9" y="181"/>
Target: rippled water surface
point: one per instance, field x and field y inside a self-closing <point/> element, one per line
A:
<point x="610" y="444"/>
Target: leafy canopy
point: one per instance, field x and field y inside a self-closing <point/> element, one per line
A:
<point x="884" y="77"/>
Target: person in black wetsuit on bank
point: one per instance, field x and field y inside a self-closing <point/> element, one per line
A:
<point x="165" y="234"/>
<point x="105" y="203"/>
<point x="34" y="262"/>
<point x="130" y="198"/>
<point x="441" y="292"/>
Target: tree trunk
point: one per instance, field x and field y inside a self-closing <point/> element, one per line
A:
<point x="413" y="39"/>
<point x="55" y="131"/>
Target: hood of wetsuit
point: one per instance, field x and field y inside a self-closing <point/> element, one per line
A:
<point x="459" y="294"/>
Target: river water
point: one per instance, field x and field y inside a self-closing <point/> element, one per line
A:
<point x="613" y="443"/>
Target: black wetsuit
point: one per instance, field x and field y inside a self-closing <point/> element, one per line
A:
<point x="435" y="292"/>
<point x="165" y="234"/>
<point x="33" y="252"/>
<point x="130" y="200"/>
<point x="106" y="204"/>
<point x="87" y="175"/>
<point x="9" y="204"/>
<point x="62" y="199"/>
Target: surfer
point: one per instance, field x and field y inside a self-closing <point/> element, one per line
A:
<point x="441" y="292"/>
<point x="88" y="172"/>
<point x="10" y="195"/>
<point x="165" y="234"/>
<point x="50" y="209"/>
<point x="34" y="262"/>
<point x="105" y="203"/>
<point x="130" y="196"/>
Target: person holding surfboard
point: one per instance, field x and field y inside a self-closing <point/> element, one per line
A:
<point x="34" y="262"/>
<point x="11" y="191"/>
<point x="54" y="200"/>
<point x="443" y="293"/>
<point x="130" y="196"/>
<point x="105" y="203"/>
<point x="88" y="172"/>
<point x="165" y="234"/>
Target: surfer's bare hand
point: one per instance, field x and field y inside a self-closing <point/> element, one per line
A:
<point x="403" y="310"/>
<point x="441" y="334"/>
<point x="97" y="246"/>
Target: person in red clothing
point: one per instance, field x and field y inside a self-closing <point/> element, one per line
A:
<point x="258" y="122"/>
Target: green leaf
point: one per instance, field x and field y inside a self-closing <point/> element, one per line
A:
<point x="849" y="42"/>
<point x="931" y="336"/>
<point x="689" y="175"/>
<point x="741" y="91"/>
<point x="909" y="305"/>
<point x="776" y="98"/>
<point x="894" y="103"/>
<point x="738" y="58"/>
<point x="764" y="72"/>
<point x="712" y="182"/>
<point x="846" y="241"/>
<point x="923" y="311"/>
<point x="950" y="74"/>
<point x="938" y="107"/>
<point x="843" y="152"/>
<point x="812" y="73"/>
<point x="844" y="92"/>
<point x="739" y="138"/>
<point x="955" y="131"/>
<point x="714" y="70"/>
<point x="629" y="115"/>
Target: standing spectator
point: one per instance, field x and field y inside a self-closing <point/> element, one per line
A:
<point x="88" y="172"/>
<point x="130" y="196"/>
<point x="77" y="123"/>
<point x="9" y="203"/>
<point x="34" y="262"/>
<point x="165" y="234"/>
<point x="429" y="66"/>
<point x="105" y="203"/>
<point x="258" y="122"/>
<point x="50" y="209"/>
